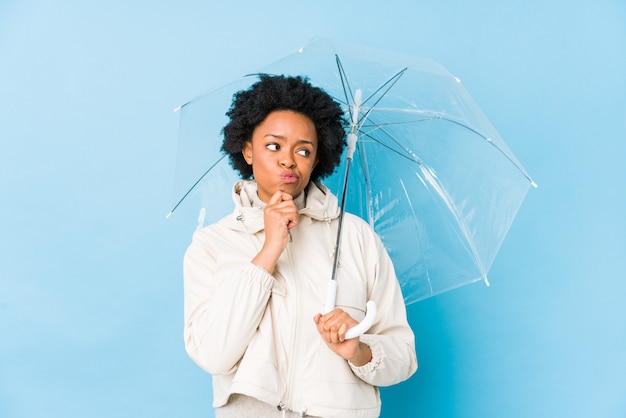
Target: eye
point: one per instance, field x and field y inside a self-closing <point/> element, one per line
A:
<point x="272" y="146"/>
<point x="304" y="152"/>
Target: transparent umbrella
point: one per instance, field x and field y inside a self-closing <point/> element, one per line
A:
<point x="429" y="172"/>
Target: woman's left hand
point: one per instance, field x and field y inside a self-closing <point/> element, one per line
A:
<point x="333" y="327"/>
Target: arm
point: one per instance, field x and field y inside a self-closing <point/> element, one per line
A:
<point x="390" y="339"/>
<point x="221" y="312"/>
<point x="386" y="353"/>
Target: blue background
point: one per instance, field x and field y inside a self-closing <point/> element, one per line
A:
<point x="90" y="270"/>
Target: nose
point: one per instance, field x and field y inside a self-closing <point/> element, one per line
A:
<point x="287" y="160"/>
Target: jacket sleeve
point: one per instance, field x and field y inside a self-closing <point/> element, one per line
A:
<point x="221" y="313"/>
<point x="390" y="339"/>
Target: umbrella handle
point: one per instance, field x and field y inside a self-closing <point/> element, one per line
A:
<point x="331" y="296"/>
<point x="361" y="327"/>
<point x="365" y="324"/>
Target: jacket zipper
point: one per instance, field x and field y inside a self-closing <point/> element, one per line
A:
<point x="295" y="343"/>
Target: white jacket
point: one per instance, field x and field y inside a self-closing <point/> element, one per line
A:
<point x="254" y="332"/>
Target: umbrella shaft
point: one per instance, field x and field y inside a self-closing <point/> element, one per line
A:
<point x="341" y="212"/>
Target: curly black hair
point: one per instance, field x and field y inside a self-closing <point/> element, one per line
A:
<point x="250" y="107"/>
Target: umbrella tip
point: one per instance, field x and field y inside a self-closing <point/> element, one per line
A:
<point x="170" y="213"/>
<point x="532" y="183"/>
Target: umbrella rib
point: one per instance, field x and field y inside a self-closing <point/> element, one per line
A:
<point x="439" y="188"/>
<point x="411" y="156"/>
<point x="194" y="185"/>
<point x="500" y="150"/>
<point x="412" y="208"/>
<point x="368" y="184"/>
<point x="389" y="83"/>
<point x="347" y="91"/>
<point x="406" y="122"/>
<point x="400" y="153"/>
<point x="441" y="191"/>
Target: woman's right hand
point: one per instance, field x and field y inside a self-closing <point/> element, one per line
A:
<point x="280" y="215"/>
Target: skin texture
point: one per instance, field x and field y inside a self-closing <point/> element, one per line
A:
<point x="283" y="154"/>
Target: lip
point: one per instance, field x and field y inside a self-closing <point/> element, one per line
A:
<point x="288" y="177"/>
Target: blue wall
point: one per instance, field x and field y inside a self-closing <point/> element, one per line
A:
<point x="90" y="271"/>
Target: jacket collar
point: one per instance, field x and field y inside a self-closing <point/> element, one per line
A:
<point x="315" y="203"/>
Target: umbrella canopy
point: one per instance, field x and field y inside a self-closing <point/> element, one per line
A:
<point x="429" y="173"/>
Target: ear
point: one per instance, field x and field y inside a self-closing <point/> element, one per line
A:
<point x="247" y="152"/>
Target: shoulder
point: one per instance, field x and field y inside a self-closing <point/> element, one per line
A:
<point x="356" y="222"/>
<point x="214" y="231"/>
<point x="360" y="230"/>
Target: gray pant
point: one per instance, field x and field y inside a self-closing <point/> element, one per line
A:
<point x="242" y="406"/>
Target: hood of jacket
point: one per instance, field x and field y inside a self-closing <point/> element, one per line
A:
<point x="315" y="203"/>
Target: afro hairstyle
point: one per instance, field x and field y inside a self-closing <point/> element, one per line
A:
<point x="250" y="108"/>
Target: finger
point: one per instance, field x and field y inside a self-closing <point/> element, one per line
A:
<point x="324" y="333"/>
<point x="291" y="213"/>
<point x="286" y="205"/>
<point x="276" y="197"/>
<point x="280" y="196"/>
<point x="325" y="321"/>
<point x="333" y="333"/>
<point x="341" y="334"/>
<point x="335" y="337"/>
<point x="339" y="321"/>
<point x="333" y="316"/>
<point x="285" y="196"/>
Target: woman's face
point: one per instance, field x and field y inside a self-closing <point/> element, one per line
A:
<point x="283" y="153"/>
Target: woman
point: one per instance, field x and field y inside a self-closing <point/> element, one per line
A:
<point x="255" y="282"/>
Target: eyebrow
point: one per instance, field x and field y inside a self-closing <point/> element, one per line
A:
<point x="281" y="137"/>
